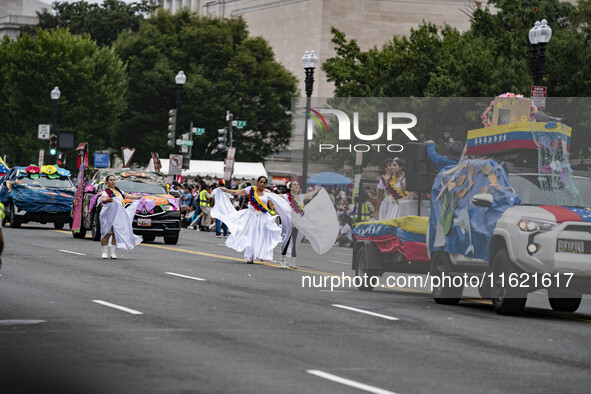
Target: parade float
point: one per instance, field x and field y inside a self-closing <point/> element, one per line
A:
<point x="37" y="194"/>
<point x="511" y="209"/>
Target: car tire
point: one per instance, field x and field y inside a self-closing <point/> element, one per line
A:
<point x="440" y="264"/>
<point x="79" y="234"/>
<point x="150" y="238"/>
<point x="173" y="240"/>
<point x="564" y="302"/>
<point x="58" y="226"/>
<point x="506" y="300"/>
<point x="14" y="222"/>
<point x="96" y="226"/>
<point x="361" y="269"/>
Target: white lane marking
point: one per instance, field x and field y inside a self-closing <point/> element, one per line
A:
<point x="69" y="251"/>
<point x="339" y="262"/>
<point x="121" y="308"/>
<point x="185" y="276"/>
<point x="366" y="312"/>
<point x="348" y="382"/>
<point x="343" y="254"/>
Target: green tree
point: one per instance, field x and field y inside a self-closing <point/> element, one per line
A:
<point x="492" y="57"/>
<point x="103" y="21"/>
<point x="226" y="71"/>
<point x="92" y="82"/>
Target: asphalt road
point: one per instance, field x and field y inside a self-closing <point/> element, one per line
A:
<point x="195" y="318"/>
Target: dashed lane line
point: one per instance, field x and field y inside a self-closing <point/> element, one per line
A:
<point x="69" y="251"/>
<point x="185" y="276"/>
<point x="365" y="312"/>
<point x="121" y="308"/>
<point x="348" y="382"/>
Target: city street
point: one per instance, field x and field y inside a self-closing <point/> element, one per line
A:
<point x="194" y="317"/>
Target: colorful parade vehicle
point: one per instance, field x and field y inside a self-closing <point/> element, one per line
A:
<point x="396" y="245"/>
<point x="37" y="194"/>
<point x="157" y="215"/>
<point x="521" y="221"/>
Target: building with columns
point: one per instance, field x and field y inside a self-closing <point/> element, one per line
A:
<point x="15" y="14"/>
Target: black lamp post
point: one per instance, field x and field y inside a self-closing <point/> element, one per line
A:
<point x="180" y="81"/>
<point x="539" y="36"/>
<point x="55" y="95"/>
<point x="309" y="62"/>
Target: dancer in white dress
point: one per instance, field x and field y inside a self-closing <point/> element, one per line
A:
<point x="116" y="221"/>
<point x="317" y="221"/>
<point x="254" y="230"/>
<point x="391" y="189"/>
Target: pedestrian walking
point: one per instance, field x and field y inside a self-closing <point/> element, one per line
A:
<point x="116" y="221"/>
<point x="254" y="230"/>
<point x="205" y="207"/>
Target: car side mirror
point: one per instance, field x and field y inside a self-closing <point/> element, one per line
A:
<point x="483" y="200"/>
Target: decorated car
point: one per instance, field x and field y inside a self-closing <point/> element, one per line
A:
<point x="157" y="215"/>
<point x="37" y="194"/>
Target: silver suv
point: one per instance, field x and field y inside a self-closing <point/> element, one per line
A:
<point x="537" y="244"/>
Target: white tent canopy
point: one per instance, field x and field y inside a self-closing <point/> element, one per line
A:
<point x="215" y="169"/>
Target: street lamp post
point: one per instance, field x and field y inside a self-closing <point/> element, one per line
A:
<point x="309" y="62"/>
<point x="180" y="81"/>
<point x="539" y="36"/>
<point x="229" y="119"/>
<point x="55" y="95"/>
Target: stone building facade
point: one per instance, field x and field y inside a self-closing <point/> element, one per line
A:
<point x="15" y="14"/>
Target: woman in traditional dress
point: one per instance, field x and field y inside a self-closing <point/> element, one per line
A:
<point x="391" y="189"/>
<point x="254" y="230"/>
<point x="116" y="221"/>
<point x="317" y="221"/>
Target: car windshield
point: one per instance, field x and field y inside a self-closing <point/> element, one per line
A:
<point x="46" y="182"/>
<point x="140" y="187"/>
<point x="529" y="191"/>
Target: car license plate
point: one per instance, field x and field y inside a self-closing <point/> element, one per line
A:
<point x="567" y="246"/>
<point x="144" y="222"/>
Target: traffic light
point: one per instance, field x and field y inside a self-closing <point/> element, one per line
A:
<point x="172" y="128"/>
<point x="53" y="144"/>
<point x="60" y="159"/>
<point x="222" y="139"/>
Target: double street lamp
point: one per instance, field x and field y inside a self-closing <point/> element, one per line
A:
<point x="539" y="36"/>
<point x="180" y="80"/>
<point x="55" y="95"/>
<point x="309" y="62"/>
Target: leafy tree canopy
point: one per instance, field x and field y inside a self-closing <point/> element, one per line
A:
<point x="226" y="71"/>
<point x="492" y="57"/>
<point x="103" y="21"/>
<point x="91" y="79"/>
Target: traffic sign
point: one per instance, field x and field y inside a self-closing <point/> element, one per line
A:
<point x="198" y="131"/>
<point x="538" y="96"/>
<point x="239" y="124"/>
<point x="44" y="131"/>
<point x="175" y="164"/>
<point x="185" y="142"/>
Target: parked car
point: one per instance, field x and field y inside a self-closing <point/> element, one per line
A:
<point x="158" y="214"/>
<point x="33" y="194"/>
